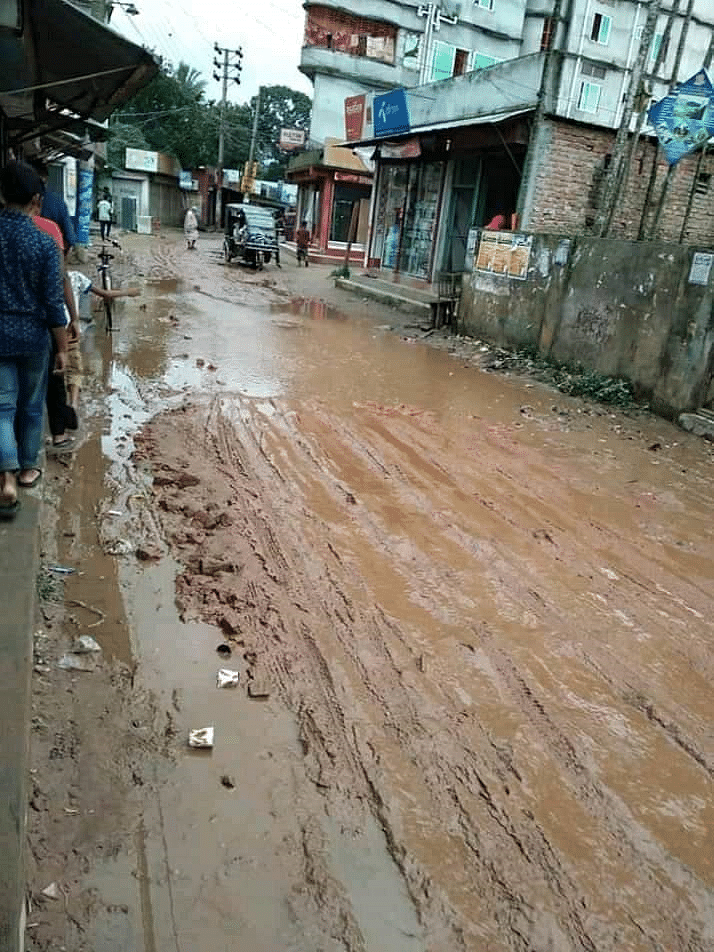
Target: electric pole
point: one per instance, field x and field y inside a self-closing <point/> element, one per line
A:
<point x="232" y="61"/>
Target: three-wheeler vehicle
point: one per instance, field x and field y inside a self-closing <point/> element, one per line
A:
<point x="250" y="235"/>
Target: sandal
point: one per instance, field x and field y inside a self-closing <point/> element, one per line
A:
<point x="9" y="505"/>
<point x="28" y="483"/>
<point x="62" y="444"/>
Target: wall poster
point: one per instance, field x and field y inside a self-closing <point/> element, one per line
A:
<point x="504" y="252"/>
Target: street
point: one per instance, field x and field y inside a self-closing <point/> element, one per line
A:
<point x="471" y="618"/>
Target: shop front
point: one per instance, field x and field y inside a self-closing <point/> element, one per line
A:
<point x="433" y="189"/>
<point x="334" y="188"/>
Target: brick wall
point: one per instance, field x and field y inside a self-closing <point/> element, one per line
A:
<point x="570" y="178"/>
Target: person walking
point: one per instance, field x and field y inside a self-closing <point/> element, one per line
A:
<point x="190" y="228"/>
<point x="55" y="208"/>
<point x="302" y="240"/>
<point x="31" y="307"/>
<point x="104" y="215"/>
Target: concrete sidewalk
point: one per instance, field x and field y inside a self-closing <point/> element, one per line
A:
<point x="19" y="559"/>
<point x="418" y="301"/>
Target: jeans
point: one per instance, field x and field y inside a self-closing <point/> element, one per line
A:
<point x="23" y="387"/>
<point x="104" y="229"/>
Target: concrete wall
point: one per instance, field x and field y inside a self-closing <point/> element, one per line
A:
<point x="624" y="309"/>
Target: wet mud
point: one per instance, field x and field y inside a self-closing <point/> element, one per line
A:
<point x="480" y="611"/>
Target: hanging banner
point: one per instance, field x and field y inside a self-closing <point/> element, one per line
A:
<point x="84" y="203"/>
<point x="684" y="120"/>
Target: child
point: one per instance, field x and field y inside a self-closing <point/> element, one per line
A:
<point x="302" y="238"/>
<point x="81" y="285"/>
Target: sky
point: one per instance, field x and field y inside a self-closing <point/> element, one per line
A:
<point x="269" y="32"/>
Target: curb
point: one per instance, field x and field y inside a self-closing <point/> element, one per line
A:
<point x="19" y="558"/>
<point x="409" y="305"/>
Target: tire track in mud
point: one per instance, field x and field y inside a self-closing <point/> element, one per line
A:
<point x="351" y="673"/>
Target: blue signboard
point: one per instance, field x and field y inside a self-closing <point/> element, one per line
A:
<point x="391" y="114"/>
<point x="84" y="204"/>
<point x="684" y="120"/>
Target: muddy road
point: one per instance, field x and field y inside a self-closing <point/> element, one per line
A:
<point x="472" y="620"/>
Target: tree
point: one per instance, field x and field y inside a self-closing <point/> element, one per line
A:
<point x="280" y="108"/>
<point x="173" y="117"/>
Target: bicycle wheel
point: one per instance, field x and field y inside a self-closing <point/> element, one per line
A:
<point x="107" y="285"/>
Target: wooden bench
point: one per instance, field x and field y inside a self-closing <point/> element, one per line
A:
<point x="446" y="307"/>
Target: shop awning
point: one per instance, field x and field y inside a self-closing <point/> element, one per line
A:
<point x="493" y="118"/>
<point x="65" y="66"/>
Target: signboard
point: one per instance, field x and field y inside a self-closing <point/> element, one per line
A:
<point x="185" y="180"/>
<point x="701" y="268"/>
<point x="84" y="203"/>
<point x="504" y="253"/>
<point x="684" y="119"/>
<point x="291" y="139"/>
<point x="391" y="114"/>
<point x="142" y="160"/>
<point x="354" y="117"/>
<point x="408" y="149"/>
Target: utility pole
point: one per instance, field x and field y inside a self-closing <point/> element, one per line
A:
<point x="232" y="60"/>
<point x="622" y="150"/>
<point x="250" y="169"/>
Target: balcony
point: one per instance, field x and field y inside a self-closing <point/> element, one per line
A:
<point x="362" y="69"/>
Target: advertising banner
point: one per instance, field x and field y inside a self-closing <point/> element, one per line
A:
<point x="354" y="117"/>
<point x="684" y="119"/>
<point x="84" y="204"/>
<point x="291" y="139"/>
<point x="391" y="113"/>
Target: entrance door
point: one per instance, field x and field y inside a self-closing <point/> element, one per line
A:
<point x="128" y="213"/>
<point x="466" y="199"/>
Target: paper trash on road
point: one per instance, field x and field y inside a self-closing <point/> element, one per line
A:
<point x="85" y="644"/>
<point x="52" y="891"/>
<point x="201" y="737"/>
<point x="227" y="678"/>
<point x="75" y="662"/>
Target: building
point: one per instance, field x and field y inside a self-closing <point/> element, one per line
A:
<point x="536" y="134"/>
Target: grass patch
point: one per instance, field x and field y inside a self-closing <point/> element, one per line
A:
<point x="342" y="272"/>
<point x="50" y="588"/>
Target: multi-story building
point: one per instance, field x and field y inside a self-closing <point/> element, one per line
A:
<point x="511" y="104"/>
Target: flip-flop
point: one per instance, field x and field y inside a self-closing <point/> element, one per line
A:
<point x="9" y="510"/>
<point x="63" y="444"/>
<point x="29" y="483"/>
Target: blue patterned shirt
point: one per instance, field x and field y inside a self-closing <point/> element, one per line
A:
<point x="31" y="286"/>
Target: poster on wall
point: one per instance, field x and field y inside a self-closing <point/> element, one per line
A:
<point x="84" y="204"/>
<point x="684" y="119"/>
<point x="504" y="253"/>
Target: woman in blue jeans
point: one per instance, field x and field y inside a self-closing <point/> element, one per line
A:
<point x="31" y="307"/>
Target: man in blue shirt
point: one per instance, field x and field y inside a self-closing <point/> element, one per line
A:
<point x="31" y="306"/>
<point x="55" y="208"/>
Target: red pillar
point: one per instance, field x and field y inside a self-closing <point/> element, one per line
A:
<point x="326" y="198"/>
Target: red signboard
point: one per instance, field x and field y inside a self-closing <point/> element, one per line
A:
<point x="354" y="117"/>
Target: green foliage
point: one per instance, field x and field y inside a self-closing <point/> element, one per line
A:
<point x="573" y="380"/>
<point x="171" y="115"/>
<point x="342" y="272"/>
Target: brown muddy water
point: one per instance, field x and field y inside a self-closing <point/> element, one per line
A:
<point x="483" y="611"/>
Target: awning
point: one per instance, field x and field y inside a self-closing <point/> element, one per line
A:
<point x="492" y="118"/>
<point x="65" y="66"/>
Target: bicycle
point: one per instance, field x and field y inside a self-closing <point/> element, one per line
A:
<point x="105" y="272"/>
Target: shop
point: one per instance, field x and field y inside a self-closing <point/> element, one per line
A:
<point x="432" y="189"/>
<point x="334" y="189"/>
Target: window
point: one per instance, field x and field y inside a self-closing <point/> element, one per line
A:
<point x="701" y="185"/>
<point x="600" y="32"/>
<point x="593" y="69"/>
<point x="461" y="62"/>
<point x="442" y="61"/>
<point x="486" y="4"/>
<point x="482" y="61"/>
<point x="546" y="37"/>
<point x="589" y="98"/>
<point x="655" y="48"/>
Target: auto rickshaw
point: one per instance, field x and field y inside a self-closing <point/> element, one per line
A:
<point x="250" y="235"/>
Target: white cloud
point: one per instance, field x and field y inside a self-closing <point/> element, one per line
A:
<point x="270" y="36"/>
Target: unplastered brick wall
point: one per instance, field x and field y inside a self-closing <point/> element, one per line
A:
<point x="572" y="169"/>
